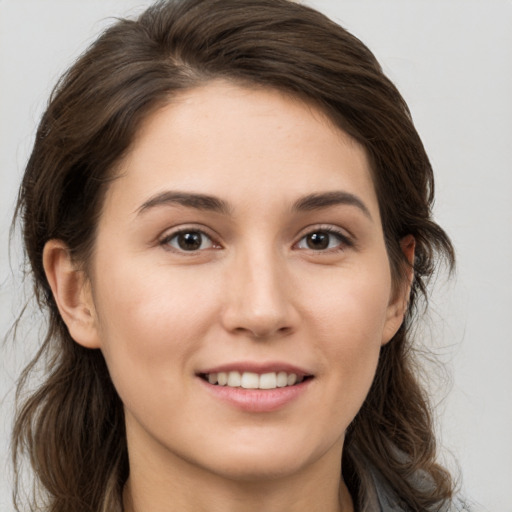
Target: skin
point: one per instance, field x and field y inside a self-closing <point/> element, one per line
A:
<point x="254" y="291"/>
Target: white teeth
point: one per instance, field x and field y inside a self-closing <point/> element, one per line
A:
<point x="251" y="380"/>
<point x="268" y="381"/>
<point x="282" y="379"/>
<point x="234" y="379"/>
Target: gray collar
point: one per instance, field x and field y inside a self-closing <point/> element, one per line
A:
<point x="384" y="499"/>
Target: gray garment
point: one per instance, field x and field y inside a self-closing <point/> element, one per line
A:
<point x="383" y="499"/>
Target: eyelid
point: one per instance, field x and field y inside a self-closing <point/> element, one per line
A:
<point x="169" y="234"/>
<point x="346" y="240"/>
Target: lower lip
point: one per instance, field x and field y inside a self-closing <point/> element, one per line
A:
<point x="257" y="400"/>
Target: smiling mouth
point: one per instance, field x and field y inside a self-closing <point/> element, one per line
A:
<point x="251" y="380"/>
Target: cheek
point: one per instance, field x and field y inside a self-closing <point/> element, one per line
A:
<point x="348" y="316"/>
<point x="351" y="304"/>
<point x="150" y="325"/>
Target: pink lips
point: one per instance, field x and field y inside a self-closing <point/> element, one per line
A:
<point x="257" y="400"/>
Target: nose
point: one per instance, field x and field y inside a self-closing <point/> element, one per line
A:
<point x="259" y="299"/>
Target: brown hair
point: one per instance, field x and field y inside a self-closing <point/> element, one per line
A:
<point x="72" y="426"/>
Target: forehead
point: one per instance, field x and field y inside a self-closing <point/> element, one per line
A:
<point x="233" y="141"/>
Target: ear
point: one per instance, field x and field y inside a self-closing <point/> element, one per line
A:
<point x="400" y="300"/>
<point x="72" y="293"/>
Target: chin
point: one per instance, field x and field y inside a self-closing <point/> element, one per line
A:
<point x="261" y="469"/>
<point x="258" y="463"/>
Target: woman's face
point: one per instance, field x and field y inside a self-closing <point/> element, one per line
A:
<point x="241" y="242"/>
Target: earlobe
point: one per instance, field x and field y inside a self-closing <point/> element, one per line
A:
<point x="72" y="294"/>
<point x="400" y="300"/>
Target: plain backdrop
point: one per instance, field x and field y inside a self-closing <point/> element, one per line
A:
<point x="452" y="61"/>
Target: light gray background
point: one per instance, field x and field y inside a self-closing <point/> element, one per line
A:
<point x="452" y="60"/>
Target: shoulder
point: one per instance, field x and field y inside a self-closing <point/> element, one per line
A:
<point x="384" y="499"/>
<point x="460" y="505"/>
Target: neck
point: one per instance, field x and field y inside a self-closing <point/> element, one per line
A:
<point x="238" y="498"/>
<point x="182" y="486"/>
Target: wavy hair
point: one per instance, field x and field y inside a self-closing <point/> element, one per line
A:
<point x="71" y="427"/>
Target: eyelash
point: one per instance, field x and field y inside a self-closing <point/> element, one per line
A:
<point x="344" y="240"/>
<point x="166" y="240"/>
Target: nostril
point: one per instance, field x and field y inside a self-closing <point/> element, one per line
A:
<point x="261" y="332"/>
<point x="258" y="315"/>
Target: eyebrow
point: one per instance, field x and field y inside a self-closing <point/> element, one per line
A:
<point x="189" y="200"/>
<point x="317" y="201"/>
<point x="326" y="199"/>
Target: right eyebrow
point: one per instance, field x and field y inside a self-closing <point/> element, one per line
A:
<point x="187" y="199"/>
<point x="318" y="201"/>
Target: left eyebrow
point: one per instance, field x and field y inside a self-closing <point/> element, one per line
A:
<point x="186" y="199"/>
<point x="326" y="199"/>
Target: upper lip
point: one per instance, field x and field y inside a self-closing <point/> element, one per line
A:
<point x="256" y="367"/>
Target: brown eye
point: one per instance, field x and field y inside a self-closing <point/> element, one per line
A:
<point x="189" y="241"/>
<point x="318" y="241"/>
<point x="322" y="240"/>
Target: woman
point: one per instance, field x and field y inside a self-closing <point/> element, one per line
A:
<point x="227" y="212"/>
